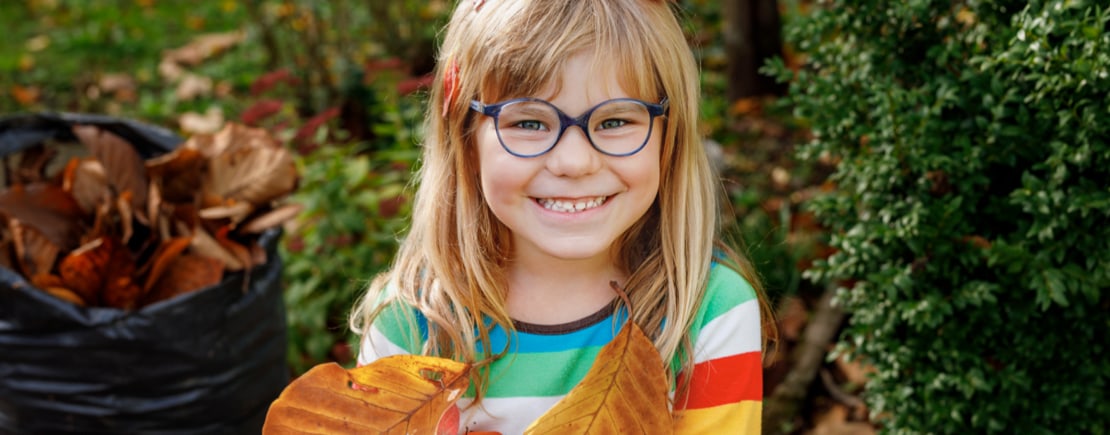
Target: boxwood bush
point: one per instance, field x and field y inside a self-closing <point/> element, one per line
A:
<point x="971" y="215"/>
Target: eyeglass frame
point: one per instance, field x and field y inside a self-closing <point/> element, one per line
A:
<point x="566" y="121"/>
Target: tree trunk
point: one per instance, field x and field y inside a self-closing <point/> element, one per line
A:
<point x="752" y="35"/>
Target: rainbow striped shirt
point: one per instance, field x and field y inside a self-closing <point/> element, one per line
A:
<point x="546" y="361"/>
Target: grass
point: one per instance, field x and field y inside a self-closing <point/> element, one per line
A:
<point x="61" y="49"/>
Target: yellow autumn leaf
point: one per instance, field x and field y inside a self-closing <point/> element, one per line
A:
<point x="400" y="394"/>
<point x="624" y="392"/>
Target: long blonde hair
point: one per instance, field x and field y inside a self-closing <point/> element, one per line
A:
<point x="450" y="265"/>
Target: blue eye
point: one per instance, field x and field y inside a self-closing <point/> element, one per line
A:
<point x="612" y="123"/>
<point x="530" y="125"/>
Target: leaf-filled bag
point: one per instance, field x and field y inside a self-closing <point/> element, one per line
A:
<point x="206" y="361"/>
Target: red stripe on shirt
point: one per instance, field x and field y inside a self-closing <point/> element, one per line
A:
<point x="723" y="380"/>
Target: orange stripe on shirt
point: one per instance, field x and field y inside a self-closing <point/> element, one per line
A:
<point x="734" y="418"/>
<point x="723" y="380"/>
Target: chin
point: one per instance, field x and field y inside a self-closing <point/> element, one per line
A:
<point x="574" y="253"/>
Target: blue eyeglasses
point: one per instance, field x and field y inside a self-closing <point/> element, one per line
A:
<point x="529" y="127"/>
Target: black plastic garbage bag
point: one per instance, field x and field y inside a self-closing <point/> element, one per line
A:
<point x="210" y="361"/>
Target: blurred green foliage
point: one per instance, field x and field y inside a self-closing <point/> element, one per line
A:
<point x="970" y="208"/>
<point x="349" y="232"/>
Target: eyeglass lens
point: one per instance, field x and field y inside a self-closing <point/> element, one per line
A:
<point x="615" y="127"/>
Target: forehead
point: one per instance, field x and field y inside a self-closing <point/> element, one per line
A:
<point x="582" y="76"/>
<point x="600" y="76"/>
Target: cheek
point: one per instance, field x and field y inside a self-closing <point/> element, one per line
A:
<point x="500" y="177"/>
<point x="646" y="170"/>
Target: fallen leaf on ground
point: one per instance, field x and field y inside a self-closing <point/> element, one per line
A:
<point x="196" y="123"/>
<point x="203" y="47"/>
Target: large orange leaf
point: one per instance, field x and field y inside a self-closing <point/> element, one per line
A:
<point x="404" y="394"/>
<point x="624" y="392"/>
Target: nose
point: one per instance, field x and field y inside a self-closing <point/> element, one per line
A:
<point x="573" y="156"/>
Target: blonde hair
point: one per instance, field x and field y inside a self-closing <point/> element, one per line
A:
<point x="450" y="265"/>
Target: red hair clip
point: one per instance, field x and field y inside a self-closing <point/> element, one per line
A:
<point x="478" y="4"/>
<point x="450" y="85"/>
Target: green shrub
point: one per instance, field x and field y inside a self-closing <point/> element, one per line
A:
<point x="971" y="209"/>
<point x="356" y="207"/>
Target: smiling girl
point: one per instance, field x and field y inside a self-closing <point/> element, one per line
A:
<point x="563" y="158"/>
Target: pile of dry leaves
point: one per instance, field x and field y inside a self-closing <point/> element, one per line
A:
<point x="110" y="228"/>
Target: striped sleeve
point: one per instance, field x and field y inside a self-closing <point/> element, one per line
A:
<point x="724" y="390"/>
<point x="397" y="330"/>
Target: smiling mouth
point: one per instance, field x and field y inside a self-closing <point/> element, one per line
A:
<point x="574" y="206"/>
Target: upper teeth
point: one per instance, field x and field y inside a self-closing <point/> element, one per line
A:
<point x="571" y="206"/>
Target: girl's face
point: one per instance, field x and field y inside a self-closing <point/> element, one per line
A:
<point x="573" y="202"/>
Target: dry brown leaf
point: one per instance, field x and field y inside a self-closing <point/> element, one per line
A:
<point x="208" y="122"/>
<point x="163" y="257"/>
<point x="398" y="394"/>
<point x="835" y="421"/>
<point x="44" y="280"/>
<point x="6" y="248"/>
<point x="83" y="270"/>
<point x="205" y="245"/>
<point x="48" y="209"/>
<point x="254" y="167"/>
<point x="87" y="182"/>
<point x="101" y="272"/>
<point x="193" y="86"/>
<point x="120" y="289"/>
<point x="154" y="205"/>
<point x="32" y="165"/>
<point x="236" y="211"/>
<point x="34" y="253"/>
<point x="178" y="174"/>
<point x="185" y="273"/>
<point x="123" y="166"/>
<point x="55" y="286"/>
<point x="624" y="392"/>
<point x="123" y="208"/>
<point x="26" y="95"/>
<point x="242" y="253"/>
<point x="117" y="82"/>
<point x="271" y="219"/>
<point x="854" y="371"/>
<point x="203" y="47"/>
<point x="65" y="294"/>
<point x="170" y="70"/>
